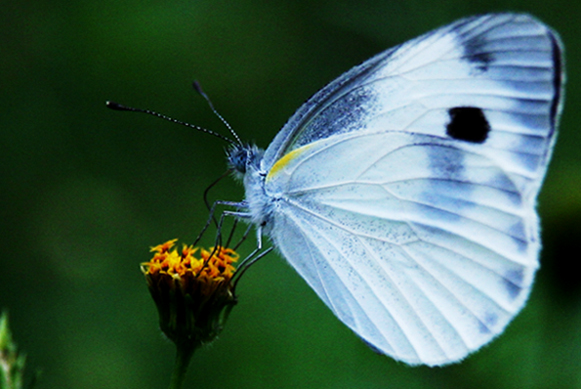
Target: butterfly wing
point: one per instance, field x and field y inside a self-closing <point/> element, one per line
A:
<point x="509" y="64"/>
<point x="404" y="191"/>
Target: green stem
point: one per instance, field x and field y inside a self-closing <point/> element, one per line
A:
<point x="184" y="354"/>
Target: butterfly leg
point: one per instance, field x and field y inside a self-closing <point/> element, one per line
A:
<point x="212" y="210"/>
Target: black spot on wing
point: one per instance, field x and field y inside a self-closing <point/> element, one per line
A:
<point x="468" y="124"/>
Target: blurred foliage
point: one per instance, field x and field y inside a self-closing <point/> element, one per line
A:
<point x="11" y="361"/>
<point x="84" y="191"/>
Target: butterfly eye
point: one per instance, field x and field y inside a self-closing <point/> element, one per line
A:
<point x="238" y="157"/>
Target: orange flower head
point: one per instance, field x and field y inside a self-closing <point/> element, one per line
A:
<point x="192" y="290"/>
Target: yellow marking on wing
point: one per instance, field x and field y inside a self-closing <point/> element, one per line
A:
<point x="284" y="161"/>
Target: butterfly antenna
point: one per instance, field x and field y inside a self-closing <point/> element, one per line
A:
<point x="198" y="88"/>
<point x="120" y="107"/>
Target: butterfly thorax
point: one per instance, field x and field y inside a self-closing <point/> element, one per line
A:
<point x="245" y="160"/>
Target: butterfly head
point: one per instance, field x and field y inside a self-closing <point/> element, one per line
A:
<point x="241" y="156"/>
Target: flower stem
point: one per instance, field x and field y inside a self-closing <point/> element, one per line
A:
<point x="184" y="353"/>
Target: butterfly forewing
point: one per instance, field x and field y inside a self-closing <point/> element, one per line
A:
<point x="404" y="191"/>
<point x="507" y="66"/>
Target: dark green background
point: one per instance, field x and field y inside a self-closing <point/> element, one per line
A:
<point x="84" y="191"/>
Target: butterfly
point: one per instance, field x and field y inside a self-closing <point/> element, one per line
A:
<point x="404" y="192"/>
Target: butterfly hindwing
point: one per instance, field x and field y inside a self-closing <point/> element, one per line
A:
<point x="404" y="191"/>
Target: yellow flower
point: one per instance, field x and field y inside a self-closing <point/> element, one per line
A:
<point x="192" y="290"/>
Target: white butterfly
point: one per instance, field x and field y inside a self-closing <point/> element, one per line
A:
<point x="404" y="191"/>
